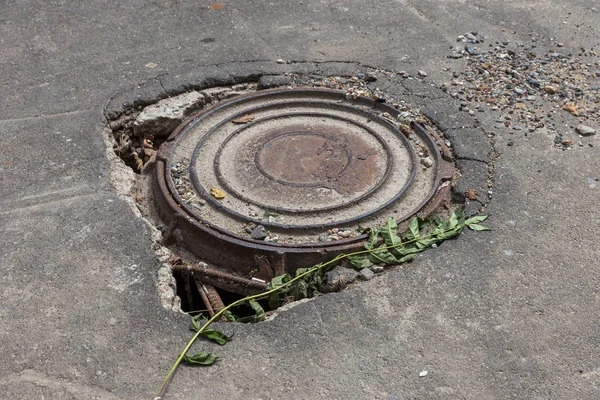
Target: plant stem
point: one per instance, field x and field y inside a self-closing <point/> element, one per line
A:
<point x="268" y="292"/>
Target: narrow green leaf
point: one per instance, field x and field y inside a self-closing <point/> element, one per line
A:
<point x="197" y="322"/>
<point x="413" y="249"/>
<point x="229" y="316"/>
<point x="450" y="234"/>
<point x="428" y="241"/>
<point x="478" y="227"/>
<point x="201" y="358"/>
<point x="216" y="336"/>
<point x="423" y="223"/>
<point x="360" y="261"/>
<point x="461" y="217"/>
<point x="381" y="255"/>
<point x="200" y="320"/>
<point x="373" y="239"/>
<point x="413" y="229"/>
<point x="258" y="310"/>
<point x="476" y="219"/>
<point x="406" y="258"/>
<point x="390" y="233"/>
<point x="299" y="290"/>
<point x="279" y="281"/>
<point x="453" y="221"/>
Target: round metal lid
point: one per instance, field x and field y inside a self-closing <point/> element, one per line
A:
<point x="280" y="169"/>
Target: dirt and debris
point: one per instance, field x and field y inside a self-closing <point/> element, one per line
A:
<point x="529" y="90"/>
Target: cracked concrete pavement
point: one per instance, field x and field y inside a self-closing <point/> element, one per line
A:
<point x="512" y="313"/>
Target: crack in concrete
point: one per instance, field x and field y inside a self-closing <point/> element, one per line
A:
<point x="471" y="159"/>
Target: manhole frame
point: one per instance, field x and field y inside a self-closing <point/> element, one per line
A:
<point x="224" y="249"/>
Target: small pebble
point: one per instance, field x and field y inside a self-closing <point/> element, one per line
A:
<point x="272" y="238"/>
<point x="558" y="139"/>
<point x="422" y="73"/>
<point x="472" y="50"/>
<point x="259" y="233"/>
<point x="427" y="162"/>
<point x="281" y="61"/>
<point x="366" y="274"/>
<point x="585" y="130"/>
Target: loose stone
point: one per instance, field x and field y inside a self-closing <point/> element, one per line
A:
<point x="377" y="268"/>
<point x="585" y="130"/>
<point x="259" y="233"/>
<point x="366" y="274"/>
<point x="338" y="278"/>
<point x="427" y="162"/>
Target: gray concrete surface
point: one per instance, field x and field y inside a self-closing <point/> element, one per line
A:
<point x="507" y="314"/>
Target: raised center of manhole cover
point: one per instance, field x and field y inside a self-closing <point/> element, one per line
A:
<point x="291" y="175"/>
<point x="303" y="159"/>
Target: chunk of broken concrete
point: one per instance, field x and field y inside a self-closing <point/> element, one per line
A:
<point x="338" y="278"/>
<point x="585" y="130"/>
<point x="366" y="274"/>
<point x="160" y="119"/>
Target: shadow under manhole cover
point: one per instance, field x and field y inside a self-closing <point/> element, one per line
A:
<point x="258" y="183"/>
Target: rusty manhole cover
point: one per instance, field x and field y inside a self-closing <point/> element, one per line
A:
<point x="291" y="176"/>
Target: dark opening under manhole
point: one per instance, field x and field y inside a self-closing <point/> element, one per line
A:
<point x="268" y="175"/>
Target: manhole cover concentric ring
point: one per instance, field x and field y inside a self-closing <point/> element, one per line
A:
<point x="272" y="171"/>
<point x="298" y="172"/>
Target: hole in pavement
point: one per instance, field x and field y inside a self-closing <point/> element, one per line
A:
<point x="240" y="185"/>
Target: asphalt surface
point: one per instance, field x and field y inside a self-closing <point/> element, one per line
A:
<point x="512" y="313"/>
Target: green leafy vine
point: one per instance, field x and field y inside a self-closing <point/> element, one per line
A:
<point x="383" y="247"/>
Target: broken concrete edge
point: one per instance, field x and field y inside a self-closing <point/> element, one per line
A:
<point x="206" y="76"/>
<point x="468" y="140"/>
<point x="123" y="180"/>
<point x="473" y="150"/>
